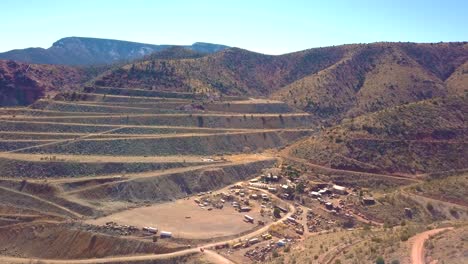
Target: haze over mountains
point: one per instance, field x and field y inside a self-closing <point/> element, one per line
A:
<point x="91" y="51"/>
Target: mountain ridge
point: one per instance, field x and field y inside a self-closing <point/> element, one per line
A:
<point x="332" y="82"/>
<point x="83" y="51"/>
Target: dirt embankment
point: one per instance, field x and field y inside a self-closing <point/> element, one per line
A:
<point x="252" y="121"/>
<point x="26" y="201"/>
<point x="45" y="196"/>
<point x="54" y="169"/>
<point x="173" y="186"/>
<point x="183" y="145"/>
<point x="47" y="240"/>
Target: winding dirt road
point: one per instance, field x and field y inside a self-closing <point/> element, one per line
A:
<point x="417" y="250"/>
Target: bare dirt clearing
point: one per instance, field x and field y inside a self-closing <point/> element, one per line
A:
<point x="185" y="219"/>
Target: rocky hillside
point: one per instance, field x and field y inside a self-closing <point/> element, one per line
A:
<point x="92" y="51"/>
<point x="23" y="84"/>
<point x="421" y="137"/>
<point x="376" y="76"/>
<point x="333" y="83"/>
<point x="232" y="71"/>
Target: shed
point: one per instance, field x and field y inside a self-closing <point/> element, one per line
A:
<point x="367" y="200"/>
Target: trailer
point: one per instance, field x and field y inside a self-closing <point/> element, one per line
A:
<point x="165" y="234"/>
<point x="238" y="245"/>
<point x="245" y="209"/>
<point x="254" y="241"/>
<point x="248" y="218"/>
<point x="152" y="230"/>
<point x="281" y="209"/>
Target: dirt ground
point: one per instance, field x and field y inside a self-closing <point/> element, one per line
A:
<point x="185" y="219"/>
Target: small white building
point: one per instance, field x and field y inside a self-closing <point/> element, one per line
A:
<point x="339" y="189"/>
<point x="315" y="194"/>
<point x="272" y="189"/>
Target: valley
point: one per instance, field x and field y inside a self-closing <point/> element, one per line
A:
<point x="345" y="154"/>
<point x="102" y="170"/>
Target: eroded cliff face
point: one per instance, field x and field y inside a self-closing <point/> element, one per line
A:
<point x="23" y="84"/>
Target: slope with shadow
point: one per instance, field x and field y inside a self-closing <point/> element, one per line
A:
<point x="424" y="137"/>
<point x="66" y="242"/>
<point x="23" y="84"/>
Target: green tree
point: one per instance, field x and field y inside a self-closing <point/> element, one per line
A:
<point x="277" y="213"/>
<point x="300" y="187"/>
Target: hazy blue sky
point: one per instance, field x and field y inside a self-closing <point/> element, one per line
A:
<point x="272" y="27"/>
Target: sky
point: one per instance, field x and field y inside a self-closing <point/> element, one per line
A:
<point x="271" y="27"/>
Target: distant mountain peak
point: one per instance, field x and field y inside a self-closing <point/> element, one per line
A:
<point x="88" y="51"/>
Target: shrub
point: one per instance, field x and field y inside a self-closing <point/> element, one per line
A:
<point x="275" y="254"/>
<point x="454" y="212"/>
<point x="429" y="207"/>
<point x="380" y="260"/>
<point x="300" y="187"/>
<point x="404" y="236"/>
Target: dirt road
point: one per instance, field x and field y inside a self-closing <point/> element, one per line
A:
<point x="417" y="250"/>
<point x="357" y="173"/>
<point x="216" y="258"/>
<point x="65" y="210"/>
